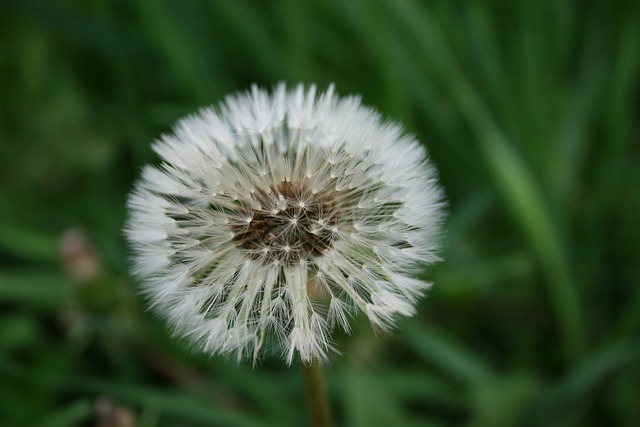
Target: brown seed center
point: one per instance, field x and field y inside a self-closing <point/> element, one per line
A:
<point x="291" y="225"/>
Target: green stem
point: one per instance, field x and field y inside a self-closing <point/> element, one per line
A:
<point x="316" y="390"/>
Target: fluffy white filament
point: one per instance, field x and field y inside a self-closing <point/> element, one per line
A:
<point x="275" y="217"/>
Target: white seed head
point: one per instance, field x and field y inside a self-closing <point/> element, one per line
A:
<point x="273" y="217"/>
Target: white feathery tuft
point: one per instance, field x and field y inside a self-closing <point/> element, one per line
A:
<point x="274" y="217"/>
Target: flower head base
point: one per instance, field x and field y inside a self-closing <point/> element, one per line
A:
<point x="276" y="217"/>
<point x="290" y="225"/>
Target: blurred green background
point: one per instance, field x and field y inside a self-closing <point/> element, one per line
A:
<point x="529" y="110"/>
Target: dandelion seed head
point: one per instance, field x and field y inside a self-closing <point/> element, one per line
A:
<point x="273" y="217"/>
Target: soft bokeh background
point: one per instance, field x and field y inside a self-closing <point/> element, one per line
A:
<point x="529" y="110"/>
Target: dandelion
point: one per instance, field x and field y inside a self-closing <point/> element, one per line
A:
<point x="275" y="218"/>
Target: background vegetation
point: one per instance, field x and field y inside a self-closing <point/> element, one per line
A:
<point x="529" y="110"/>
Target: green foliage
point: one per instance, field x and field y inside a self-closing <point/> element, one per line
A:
<point x="529" y="109"/>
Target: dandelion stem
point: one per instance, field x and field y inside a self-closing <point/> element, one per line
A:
<point x="316" y="390"/>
